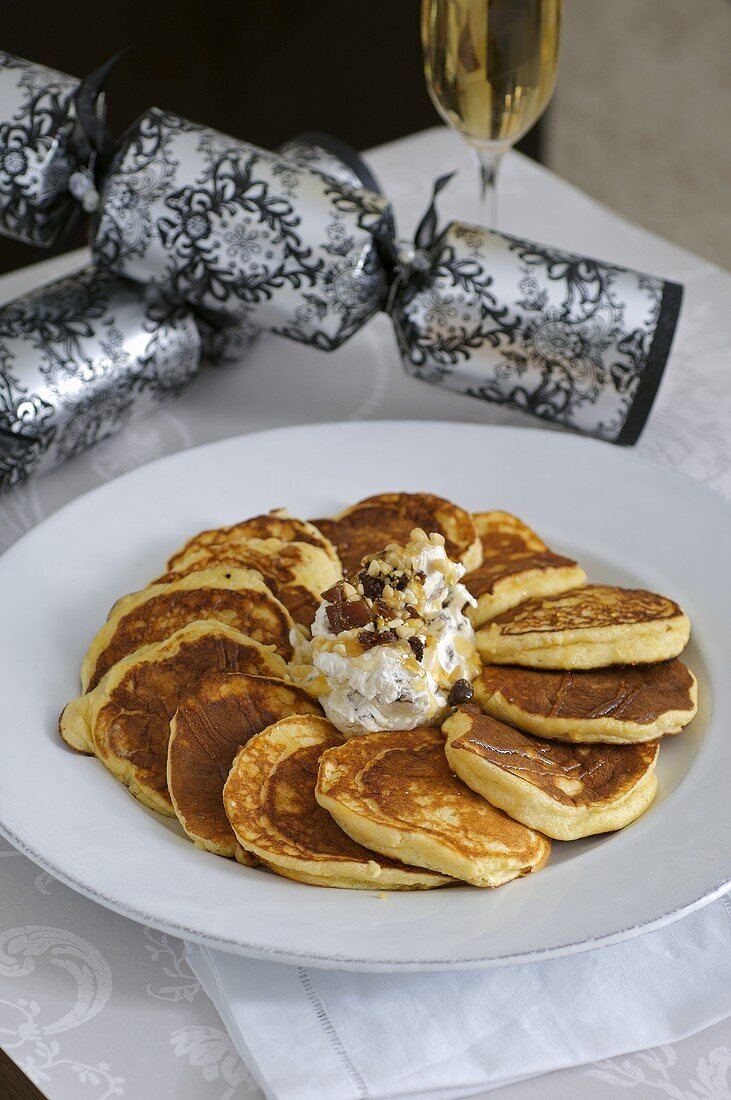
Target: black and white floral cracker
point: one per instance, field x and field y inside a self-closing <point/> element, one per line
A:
<point x="199" y="238"/>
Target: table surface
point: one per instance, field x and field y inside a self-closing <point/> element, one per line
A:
<point x="95" y="1006"/>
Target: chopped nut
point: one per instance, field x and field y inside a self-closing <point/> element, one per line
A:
<point x="382" y="609"/>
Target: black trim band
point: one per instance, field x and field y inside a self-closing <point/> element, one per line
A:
<point x="344" y="152"/>
<point x="657" y="357"/>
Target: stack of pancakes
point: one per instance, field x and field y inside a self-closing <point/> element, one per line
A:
<point x="189" y="700"/>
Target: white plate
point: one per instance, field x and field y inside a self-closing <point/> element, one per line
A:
<point x="628" y="521"/>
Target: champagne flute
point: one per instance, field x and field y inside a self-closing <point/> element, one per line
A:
<point x="490" y="68"/>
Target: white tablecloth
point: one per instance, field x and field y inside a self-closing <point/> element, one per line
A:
<point x="94" y="1006"/>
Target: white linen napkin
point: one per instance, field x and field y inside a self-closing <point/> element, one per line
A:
<point x="310" y="1034"/>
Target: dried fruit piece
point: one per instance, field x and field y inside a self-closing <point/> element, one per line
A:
<point x="461" y="692"/>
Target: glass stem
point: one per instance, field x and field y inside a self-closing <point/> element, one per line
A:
<point x="488" y="162"/>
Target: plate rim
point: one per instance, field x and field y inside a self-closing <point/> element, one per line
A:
<point x="342" y="961"/>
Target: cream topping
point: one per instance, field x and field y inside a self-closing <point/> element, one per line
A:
<point x="386" y="649"/>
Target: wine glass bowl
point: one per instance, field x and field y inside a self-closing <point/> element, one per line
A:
<point x="490" y="68"/>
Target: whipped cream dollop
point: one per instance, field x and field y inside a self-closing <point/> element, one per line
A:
<point x="387" y="649"/>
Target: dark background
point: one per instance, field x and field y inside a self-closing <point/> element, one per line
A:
<point x="257" y="69"/>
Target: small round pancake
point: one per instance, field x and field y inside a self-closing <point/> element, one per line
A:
<point x="591" y="627"/>
<point x="610" y="705"/>
<point x="296" y="572"/>
<point x="208" y="729"/>
<point x="394" y="792"/>
<point x="238" y="597"/>
<point x="565" y="791"/>
<point x="269" y="798"/>
<point x="516" y="566"/>
<point x="277" y="524"/>
<point x="125" y="720"/>
<point x="369" y="525"/>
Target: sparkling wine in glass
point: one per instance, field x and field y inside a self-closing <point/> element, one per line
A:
<point x="490" y="68"/>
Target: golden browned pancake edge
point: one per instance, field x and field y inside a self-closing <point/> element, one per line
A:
<point x="208" y="729"/>
<point x="269" y="799"/>
<point x="504" y="534"/>
<point x="125" y="720"/>
<point x="296" y="572"/>
<point x="516" y="566"/>
<point x="237" y="597"/>
<point x="395" y="793"/>
<point x="613" y="705"/>
<point x="275" y="524"/>
<point x="372" y="523"/>
<point x="595" y="626"/>
<point x="565" y="791"/>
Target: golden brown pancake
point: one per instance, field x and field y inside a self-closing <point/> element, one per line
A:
<point x="565" y="791"/>
<point x="367" y="527"/>
<point x="238" y="597"/>
<point x="591" y="627"/>
<point x="208" y="729"/>
<point x="516" y="566"/>
<point x="610" y="705"/>
<point x="125" y="720"/>
<point x="296" y="572"/>
<point x="270" y="801"/>
<point x="394" y="792"/>
<point x="276" y="524"/>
